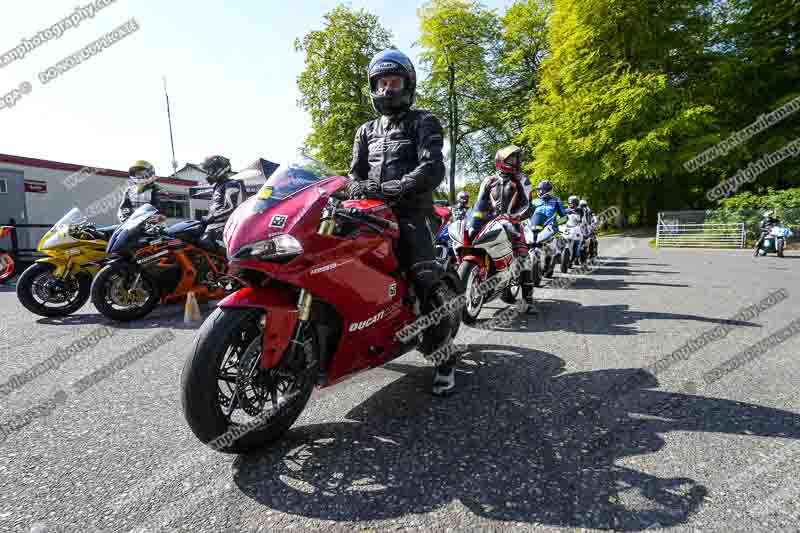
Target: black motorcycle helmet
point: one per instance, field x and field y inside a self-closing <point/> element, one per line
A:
<point x="544" y="189"/>
<point x="217" y="167"/>
<point x="394" y="101"/>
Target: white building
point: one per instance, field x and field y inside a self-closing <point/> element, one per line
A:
<point x="38" y="191"/>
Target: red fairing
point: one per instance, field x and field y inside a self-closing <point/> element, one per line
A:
<point x="249" y="224"/>
<point x="355" y="271"/>
<point x="281" y="309"/>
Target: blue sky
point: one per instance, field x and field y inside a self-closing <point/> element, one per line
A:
<point x="231" y="70"/>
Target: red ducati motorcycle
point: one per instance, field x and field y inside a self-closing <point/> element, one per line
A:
<point x="323" y="299"/>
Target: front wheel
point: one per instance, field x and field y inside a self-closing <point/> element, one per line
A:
<point x="229" y="402"/>
<point x="44" y="294"/>
<point x="536" y="273"/>
<point x="113" y="297"/>
<point x="469" y="273"/>
<point x="6" y="267"/>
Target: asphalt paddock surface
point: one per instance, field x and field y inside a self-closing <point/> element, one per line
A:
<point x="559" y="423"/>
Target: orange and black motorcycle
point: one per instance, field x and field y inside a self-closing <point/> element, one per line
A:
<point x="151" y="265"/>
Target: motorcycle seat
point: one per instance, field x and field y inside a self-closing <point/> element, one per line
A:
<point x="106" y="231"/>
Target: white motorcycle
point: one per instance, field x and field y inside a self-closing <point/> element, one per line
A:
<point x="574" y="233"/>
<point x="546" y="248"/>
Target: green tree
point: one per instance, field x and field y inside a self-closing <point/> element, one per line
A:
<point x="617" y="101"/>
<point x="333" y="85"/>
<point x="460" y="40"/>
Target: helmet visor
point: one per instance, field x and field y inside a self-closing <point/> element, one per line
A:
<point x="389" y="82"/>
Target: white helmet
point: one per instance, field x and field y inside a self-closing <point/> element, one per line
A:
<point x="583" y="203"/>
<point x="769" y="214"/>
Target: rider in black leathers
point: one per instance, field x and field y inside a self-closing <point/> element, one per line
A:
<point x="399" y="156"/>
<point x="459" y="211"/>
<point x="225" y="198"/>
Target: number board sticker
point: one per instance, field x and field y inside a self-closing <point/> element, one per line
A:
<point x="278" y="221"/>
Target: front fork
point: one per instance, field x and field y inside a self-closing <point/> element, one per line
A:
<point x="306" y="299"/>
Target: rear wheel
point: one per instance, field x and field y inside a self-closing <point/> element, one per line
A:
<point x="111" y="293"/>
<point x="229" y="402"/>
<point x="46" y="295"/>
<point x="6" y="266"/>
<point x="469" y="273"/>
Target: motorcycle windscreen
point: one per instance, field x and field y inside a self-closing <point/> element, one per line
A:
<point x="131" y="228"/>
<point x="73" y="216"/>
<point x="257" y="218"/>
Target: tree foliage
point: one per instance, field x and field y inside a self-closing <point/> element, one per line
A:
<point x="334" y="85"/>
<point x="609" y="98"/>
<point x="459" y="40"/>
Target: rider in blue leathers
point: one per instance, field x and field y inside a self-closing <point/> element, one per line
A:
<point x="545" y="206"/>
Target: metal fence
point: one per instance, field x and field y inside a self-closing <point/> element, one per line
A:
<point x="718" y="228"/>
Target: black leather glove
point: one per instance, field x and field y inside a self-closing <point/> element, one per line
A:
<point x="393" y="189"/>
<point x="373" y="188"/>
<point x="356" y="189"/>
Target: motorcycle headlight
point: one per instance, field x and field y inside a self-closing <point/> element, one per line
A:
<point x="279" y="248"/>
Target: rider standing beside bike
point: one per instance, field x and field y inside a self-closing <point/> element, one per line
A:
<point x="508" y="193"/>
<point x="398" y="157"/>
<point x="142" y="190"/>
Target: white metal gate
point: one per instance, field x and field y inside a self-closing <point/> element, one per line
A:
<point x="674" y="233"/>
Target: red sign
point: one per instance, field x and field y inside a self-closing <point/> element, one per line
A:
<point x="35" y="186"/>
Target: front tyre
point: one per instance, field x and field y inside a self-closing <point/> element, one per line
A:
<point x="111" y="293"/>
<point x="46" y="295"/>
<point x="469" y="273"/>
<point x="225" y="406"/>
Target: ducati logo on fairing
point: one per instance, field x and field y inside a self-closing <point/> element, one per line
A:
<point x="356" y="326"/>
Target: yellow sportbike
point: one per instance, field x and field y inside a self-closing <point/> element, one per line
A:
<point x="60" y="283"/>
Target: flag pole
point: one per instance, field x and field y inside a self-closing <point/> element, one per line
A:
<point x="171" y="141"/>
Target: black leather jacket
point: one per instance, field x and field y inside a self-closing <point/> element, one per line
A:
<point x="225" y="198"/>
<point x="408" y="149"/>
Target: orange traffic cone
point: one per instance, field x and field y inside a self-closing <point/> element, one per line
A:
<point x="191" y="311"/>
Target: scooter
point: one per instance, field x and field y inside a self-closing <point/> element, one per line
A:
<point x="323" y="299"/>
<point x="6" y="259"/>
<point x="772" y="240"/>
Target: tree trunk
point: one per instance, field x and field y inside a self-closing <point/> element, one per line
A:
<point x="453" y="132"/>
<point x="620" y="223"/>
